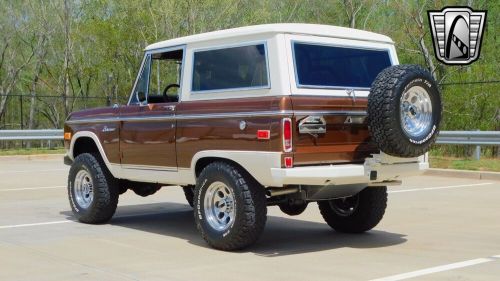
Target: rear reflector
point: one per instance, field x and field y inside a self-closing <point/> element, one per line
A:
<point x="287" y="134"/>
<point x="263" y="134"/>
<point x="288" y="162"/>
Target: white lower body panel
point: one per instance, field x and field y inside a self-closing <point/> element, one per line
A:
<point x="369" y="172"/>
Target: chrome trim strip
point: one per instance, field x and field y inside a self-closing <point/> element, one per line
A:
<point x="234" y="114"/>
<point x="332" y="112"/>
<point x="147" y="167"/>
<point x="221" y="115"/>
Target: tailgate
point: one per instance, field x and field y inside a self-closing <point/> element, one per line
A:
<point x="346" y="138"/>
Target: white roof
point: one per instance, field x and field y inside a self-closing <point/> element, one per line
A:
<point x="290" y="28"/>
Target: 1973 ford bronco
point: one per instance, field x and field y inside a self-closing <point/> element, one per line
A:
<point x="245" y="118"/>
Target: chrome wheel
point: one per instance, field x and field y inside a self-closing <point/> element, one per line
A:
<point x="219" y="206"/>
<point x="416" y="112"/>
<point x="84" y="189"/>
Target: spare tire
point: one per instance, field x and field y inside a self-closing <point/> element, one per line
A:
<point x="404" y="110"/>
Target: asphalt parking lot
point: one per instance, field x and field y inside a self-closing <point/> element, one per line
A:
<point x="435" y="228"/>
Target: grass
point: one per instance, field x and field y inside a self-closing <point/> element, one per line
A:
<point x="31" y="151"/>
<point x="484" y="164"/>
<point x="436" y="161"/>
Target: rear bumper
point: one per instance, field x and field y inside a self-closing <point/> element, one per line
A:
<point x="375" y="170"/>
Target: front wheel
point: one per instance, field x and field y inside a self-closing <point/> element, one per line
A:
<point x="92" y="190"/>
<point x="230" y="207"/>
<point x="189" y="194"/>
<point x="355" y="214"/>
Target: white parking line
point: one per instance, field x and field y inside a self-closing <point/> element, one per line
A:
<point x="33" y="224"/>
<point x="66" y="221"/>
<point x="436" y="269"/>
<point x="71" y="221"/>
<point x="32" y="188"/>
<point x="439" y="187"/>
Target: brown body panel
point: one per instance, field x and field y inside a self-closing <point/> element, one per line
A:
<point x="169" y="135"/>
<point x="195" y="134"/>
<point x="147" y="135"/>
<point x="342" y="142"/>
<point x="107" y="132"/>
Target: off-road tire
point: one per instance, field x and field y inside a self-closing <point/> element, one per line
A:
<point x="370" y="209"/>
<point x="189" y="194"/>
<point x="384" y="119"/>
<point x="250" y="207"/>
<point x="105" y="190"/>
<point x="293" y="210"/>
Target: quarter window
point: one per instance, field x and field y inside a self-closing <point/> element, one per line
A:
<point x="321" y="66"/>
<point x="230" y="68"/>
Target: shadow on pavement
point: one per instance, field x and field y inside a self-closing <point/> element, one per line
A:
<point x="282" y="236"/>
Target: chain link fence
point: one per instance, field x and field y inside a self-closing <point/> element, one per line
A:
<point x="42" y="112"/>
<point x="467" y="106"/>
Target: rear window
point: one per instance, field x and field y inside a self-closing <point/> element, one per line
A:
<point x="320" y="66"/>
<point x="230" y="68"/>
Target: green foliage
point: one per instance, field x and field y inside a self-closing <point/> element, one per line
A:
<point x="487" y="164"/>
<point x="93" y="48"/>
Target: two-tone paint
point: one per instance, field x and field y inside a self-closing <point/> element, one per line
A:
<point x="169" y="143"/>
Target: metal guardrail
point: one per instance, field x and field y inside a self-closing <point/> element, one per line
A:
<point x="445" y="137"/>
<point x="469" y="137"/>
<point x="476" y="138"/>
<point x="12" y="135"/>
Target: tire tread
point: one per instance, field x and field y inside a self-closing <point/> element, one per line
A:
<point x="255" y="209"/>
<point x="383" y="123"/>
<point x="370" y="211"/>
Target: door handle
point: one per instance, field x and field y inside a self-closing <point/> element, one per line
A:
<point x="169" y="107"/>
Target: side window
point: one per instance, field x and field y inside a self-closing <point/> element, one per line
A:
<point x="230" y="68"/>
<point x="165" y="77"/>
<point x="141" y="87"/>
<point x="337" y="66"/>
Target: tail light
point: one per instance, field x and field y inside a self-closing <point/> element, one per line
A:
<point x="287" y="135"/>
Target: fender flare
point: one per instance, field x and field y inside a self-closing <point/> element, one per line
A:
<point x="257" y="164"/>
<point x="93" y="136"/>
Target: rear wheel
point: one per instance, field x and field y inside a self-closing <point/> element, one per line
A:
<point x="230" y="207"/>
<point x="355" y="214"/>
<point x="92" y="190"/>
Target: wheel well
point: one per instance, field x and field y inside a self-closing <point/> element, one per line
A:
<point x="203" y="162"/>
<point x="84" y="145"/>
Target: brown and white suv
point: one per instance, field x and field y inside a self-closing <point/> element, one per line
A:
<point x="245" y="118"/>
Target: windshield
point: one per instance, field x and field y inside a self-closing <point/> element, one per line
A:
<point x="321" y="66"/>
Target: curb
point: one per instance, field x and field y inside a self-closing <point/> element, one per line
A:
<point x="33" y="157"/>
<point x="478" y="175"/>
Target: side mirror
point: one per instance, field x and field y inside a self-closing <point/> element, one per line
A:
<point x="141" y="96"/>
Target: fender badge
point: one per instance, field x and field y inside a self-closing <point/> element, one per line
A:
<point x="107" y="129"/>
